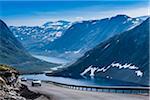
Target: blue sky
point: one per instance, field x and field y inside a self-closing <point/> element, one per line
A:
<point x="17" y="12"/>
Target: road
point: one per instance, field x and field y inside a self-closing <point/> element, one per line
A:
<point x="60" y="93"/>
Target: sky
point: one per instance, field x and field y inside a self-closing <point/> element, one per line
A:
<point x="37" y="12"/>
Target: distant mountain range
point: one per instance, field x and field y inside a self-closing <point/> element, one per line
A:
<point x="123" y="57"/>
<point x="37" y="36"/>
<point x="77" y="37"/>
<point x="13" y="53"/>
<point x="84" y="35"/>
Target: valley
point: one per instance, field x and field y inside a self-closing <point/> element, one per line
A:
<point x="74" y="50"/>
<point x="76" y="37"/>
<point x="104" y="53"/>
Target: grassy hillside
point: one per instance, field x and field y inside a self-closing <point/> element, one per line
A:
<point x="13" y="53"/>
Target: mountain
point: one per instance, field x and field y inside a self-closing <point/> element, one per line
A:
<point x="84" y="35"/>
<point x="58" y="25"/>
<point x="143" y="17"/>
<point x="123" y="57"/>
<point x="37" y="36"/>
<point x="13" y="53"/>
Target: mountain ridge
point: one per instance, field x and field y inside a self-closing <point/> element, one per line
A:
<point x="84" y="35"/>
<point x="37" y="36"/>
<point x="76" y="37"/>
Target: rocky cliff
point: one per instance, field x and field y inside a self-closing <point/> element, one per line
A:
<point x="10" y="86"/>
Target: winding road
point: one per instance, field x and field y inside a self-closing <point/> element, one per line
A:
<point x="60" y="93"/>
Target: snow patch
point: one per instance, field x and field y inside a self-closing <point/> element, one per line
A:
<point x="58" y="34"/>
<point x="94" y="23"/>
<point x="87" y="55"/>
<point x="95" y="69"/>
<point x="90" y="68"/>
<point x="118" y="41"/>
<point x="78" y="51"/>
<point x="139" y="73"/>
<point x="16" y="35"/>
<point x="21" y="38"/>
<point x="107" y="46"/>
<point x="129" y="66"/>
<point x="129" y="19"/>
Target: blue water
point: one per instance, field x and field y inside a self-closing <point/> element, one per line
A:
<point x="83" y="82"/>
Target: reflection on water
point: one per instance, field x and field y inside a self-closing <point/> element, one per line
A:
<point x="83" y="82"/>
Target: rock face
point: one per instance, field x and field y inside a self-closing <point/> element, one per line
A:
<point x="13" y="53"/>
<point x="9" y="85"/>
<point x="123" y="57"/>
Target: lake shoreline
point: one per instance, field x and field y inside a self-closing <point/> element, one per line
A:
<point x="58" y="92"/>
<point x="88" y="82"/>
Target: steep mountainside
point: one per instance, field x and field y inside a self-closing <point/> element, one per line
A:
<point x="82" y="36"/>
<point x="123" y="57"/>
<point x="13" y="53"/>
<point x="37" y="36"/>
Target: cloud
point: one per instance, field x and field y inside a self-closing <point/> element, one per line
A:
<point x="38" y="18"/>
<point x="79" y="18"/>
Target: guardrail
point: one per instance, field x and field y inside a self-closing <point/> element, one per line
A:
<point x="111" y="89"/>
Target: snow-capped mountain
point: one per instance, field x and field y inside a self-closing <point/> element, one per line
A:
<point x="38" y="36"/>
<point x="143" y="17"/>
<point x="123" y="57"/>
<point x="84" y="35"/>
<point x="58" y="25"/>
<point x="71" y="40"/>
